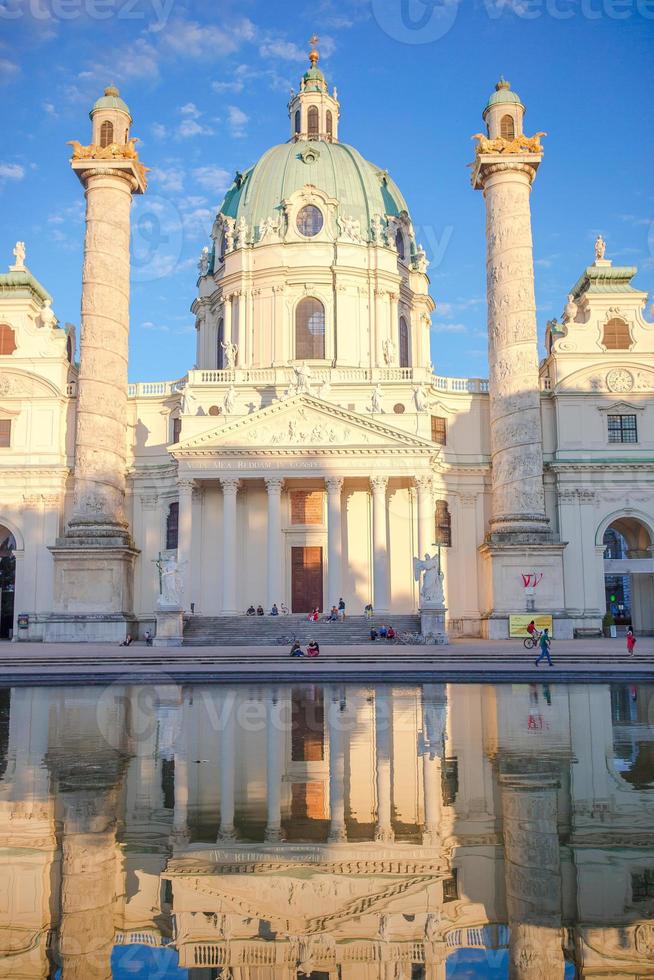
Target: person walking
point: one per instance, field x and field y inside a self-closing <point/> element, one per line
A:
<point x="631" y="642"/>
<point x="544" y="644"/>
<point x="341" y="608"/>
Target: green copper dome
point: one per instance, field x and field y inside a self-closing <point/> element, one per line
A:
<point x="362" y="189"/>
<point x="314" y="80"/>
<point x="110" y="100"/>
<point x="503" y="94"/>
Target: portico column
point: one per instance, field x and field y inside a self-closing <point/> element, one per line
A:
<point x="334" y="536"/>
<point x="227" y="318"/>
<point x="184" y="537"/>
<point x="383" y="716"/>
<point x="434" y="707"/>
<point x="336" y="721"/>
<point x="274" y="747"/>
<point x="425" y="514"/>
<point x="274" y="486"/>
<point x="378" y="485"/>
<point x="230" y="487"/>
<point x="227" y="765"/>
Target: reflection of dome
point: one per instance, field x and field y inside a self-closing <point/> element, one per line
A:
<point x="361" y="188"/>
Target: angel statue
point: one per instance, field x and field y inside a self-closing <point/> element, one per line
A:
<point x="203" y="264"/>
<point x="303" y="375"/>
<point x="376" y="406"/>
<point x="19" y="255"/>
<point x="431" y="591"/>
<point x="389" y="351"/>
<point x="172" y="583"/>
<point x="600" y="248"/>
<point x="229" y="401"/>
<point x="231" y="350"/>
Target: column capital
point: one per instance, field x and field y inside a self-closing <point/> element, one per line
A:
<point x="274" y="484"/>
<point x="378" y="484"/>
<point x="424" y="484"/>
<point x="185" y="486"/>
<point x="230" y="485"/>
<point x="334" y="484"/>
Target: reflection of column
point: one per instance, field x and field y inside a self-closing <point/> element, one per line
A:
<point x="184" y="537"/>
<point x="274" y="487"/>
<point x="433" y="725"/>
<point x="336" y="721"/>
<point x="425" y="515"/>
<point x="274" y="749"/>
<point x="180" y="773"/>
<point x="334" y="487"/>
<point x="378" y="486"/>
<point x="227" y="765"/>
<point x="230" y="489"/>
<point x="532" y="869"/>
<point x="383" y="708"/>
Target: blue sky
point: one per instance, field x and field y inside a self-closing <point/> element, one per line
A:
<point x="208" y="83"/>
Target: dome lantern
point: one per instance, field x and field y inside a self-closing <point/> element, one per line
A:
<point x="313" y="112"/>
<point x="110" y="118"/>
<point x="504" y="112"/>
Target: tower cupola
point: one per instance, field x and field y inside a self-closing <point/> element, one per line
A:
<point x="313" y="112"/>
<point x="110" y="118"/>
<point x="504" y="113"/>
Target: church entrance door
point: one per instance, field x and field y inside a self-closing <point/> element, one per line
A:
<point x="306" y="579"/>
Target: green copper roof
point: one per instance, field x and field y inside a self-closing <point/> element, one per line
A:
<point x="23" y="284"/>
<point x="605" y="279"/>
<point x="503" y="94"/>
<point x="110" y="100"/>
<point x="362" y="189"/>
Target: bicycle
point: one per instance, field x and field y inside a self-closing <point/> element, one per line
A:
<point x="285" y="641"/>
<point x="531" y="642"/>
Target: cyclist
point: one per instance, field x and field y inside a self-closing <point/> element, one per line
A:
<point x="533" y="631"/>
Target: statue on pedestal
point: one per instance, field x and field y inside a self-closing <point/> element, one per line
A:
<point x="231" y="350"/>
<point x="431" y="591"/>
<point x="19" y="255"/>
<point x="171" y="584"/>
<point x="600" y="248"/>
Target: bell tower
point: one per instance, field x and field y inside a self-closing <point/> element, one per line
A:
<point x="520" y="540"/>
<point x="313" y="112"/>
<point x="93" y="561"/>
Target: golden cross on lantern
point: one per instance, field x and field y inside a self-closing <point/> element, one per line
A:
<point x="313" y="54"/>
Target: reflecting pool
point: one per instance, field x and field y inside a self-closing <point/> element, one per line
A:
<point x="336" y="832"/>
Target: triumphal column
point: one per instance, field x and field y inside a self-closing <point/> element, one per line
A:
<point x="94" y="559"/>
<point x="520" y="536"/>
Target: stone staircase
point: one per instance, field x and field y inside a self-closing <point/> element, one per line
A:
<point x="253" y="631"/>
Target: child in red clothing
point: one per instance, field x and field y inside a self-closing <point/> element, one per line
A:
<point x="631" y="642"/>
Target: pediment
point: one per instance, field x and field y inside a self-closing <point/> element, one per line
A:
<point x="20" y="384"/>
<point x="304" y="422"/>
<point x="614" y="378"/>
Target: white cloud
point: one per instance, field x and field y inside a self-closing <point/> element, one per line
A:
<point x="237" y="120"/>
<point x="191" y="127"/>
<point x="190" y="109"/>
<point x="188" y="38"/>
<point x="235" y="86"/>
<point x="213" y="178"/>
<point x="170" y="178"/>
<point x="8" y="69"/>
<point x="11" y="171"/>
<point x="159" y="131"/>
<point x="286" y="50"/>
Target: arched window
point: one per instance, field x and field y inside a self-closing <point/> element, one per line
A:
<point x="404" y="343"/>
<point x="443" y="525"/>
<point x="220" y="353"/>
<point x="106" y="133"/>
<point x="172" y="526"/>
<point x="313" y="122"/>
<point x="330" y="124"/>
<point x="298" y="122"/>
<point x="310" y="329"/>
<point x="7" y="339"/>
<point x="69" y="349"/>
<point x="223" y="246"/>
<point x="616" y="335"/>
<point x="399" y="243"/>
<point x="507" y="127"/>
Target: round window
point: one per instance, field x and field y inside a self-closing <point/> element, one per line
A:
<point x="309" y="220"/>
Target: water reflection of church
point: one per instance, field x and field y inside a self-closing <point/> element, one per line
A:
<point x="337" y="832"/>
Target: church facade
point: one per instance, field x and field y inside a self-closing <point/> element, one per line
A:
<point x="312" y="451"/>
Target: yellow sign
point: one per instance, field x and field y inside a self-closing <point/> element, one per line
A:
<point x="518" y="625"/>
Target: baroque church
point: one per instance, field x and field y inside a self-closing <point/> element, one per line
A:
<point x="312" y="452"/>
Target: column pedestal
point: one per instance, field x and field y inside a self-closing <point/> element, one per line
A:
<point x="170" y="627"/>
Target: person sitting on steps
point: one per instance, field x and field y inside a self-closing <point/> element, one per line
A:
<point x="274" y="611"/>
<point x="390" y="633"/>
<point x="260" y="610"/>
<point x="251" y="611"/>
<point x="313" y="649"/>
<point x="296" y="649"/>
